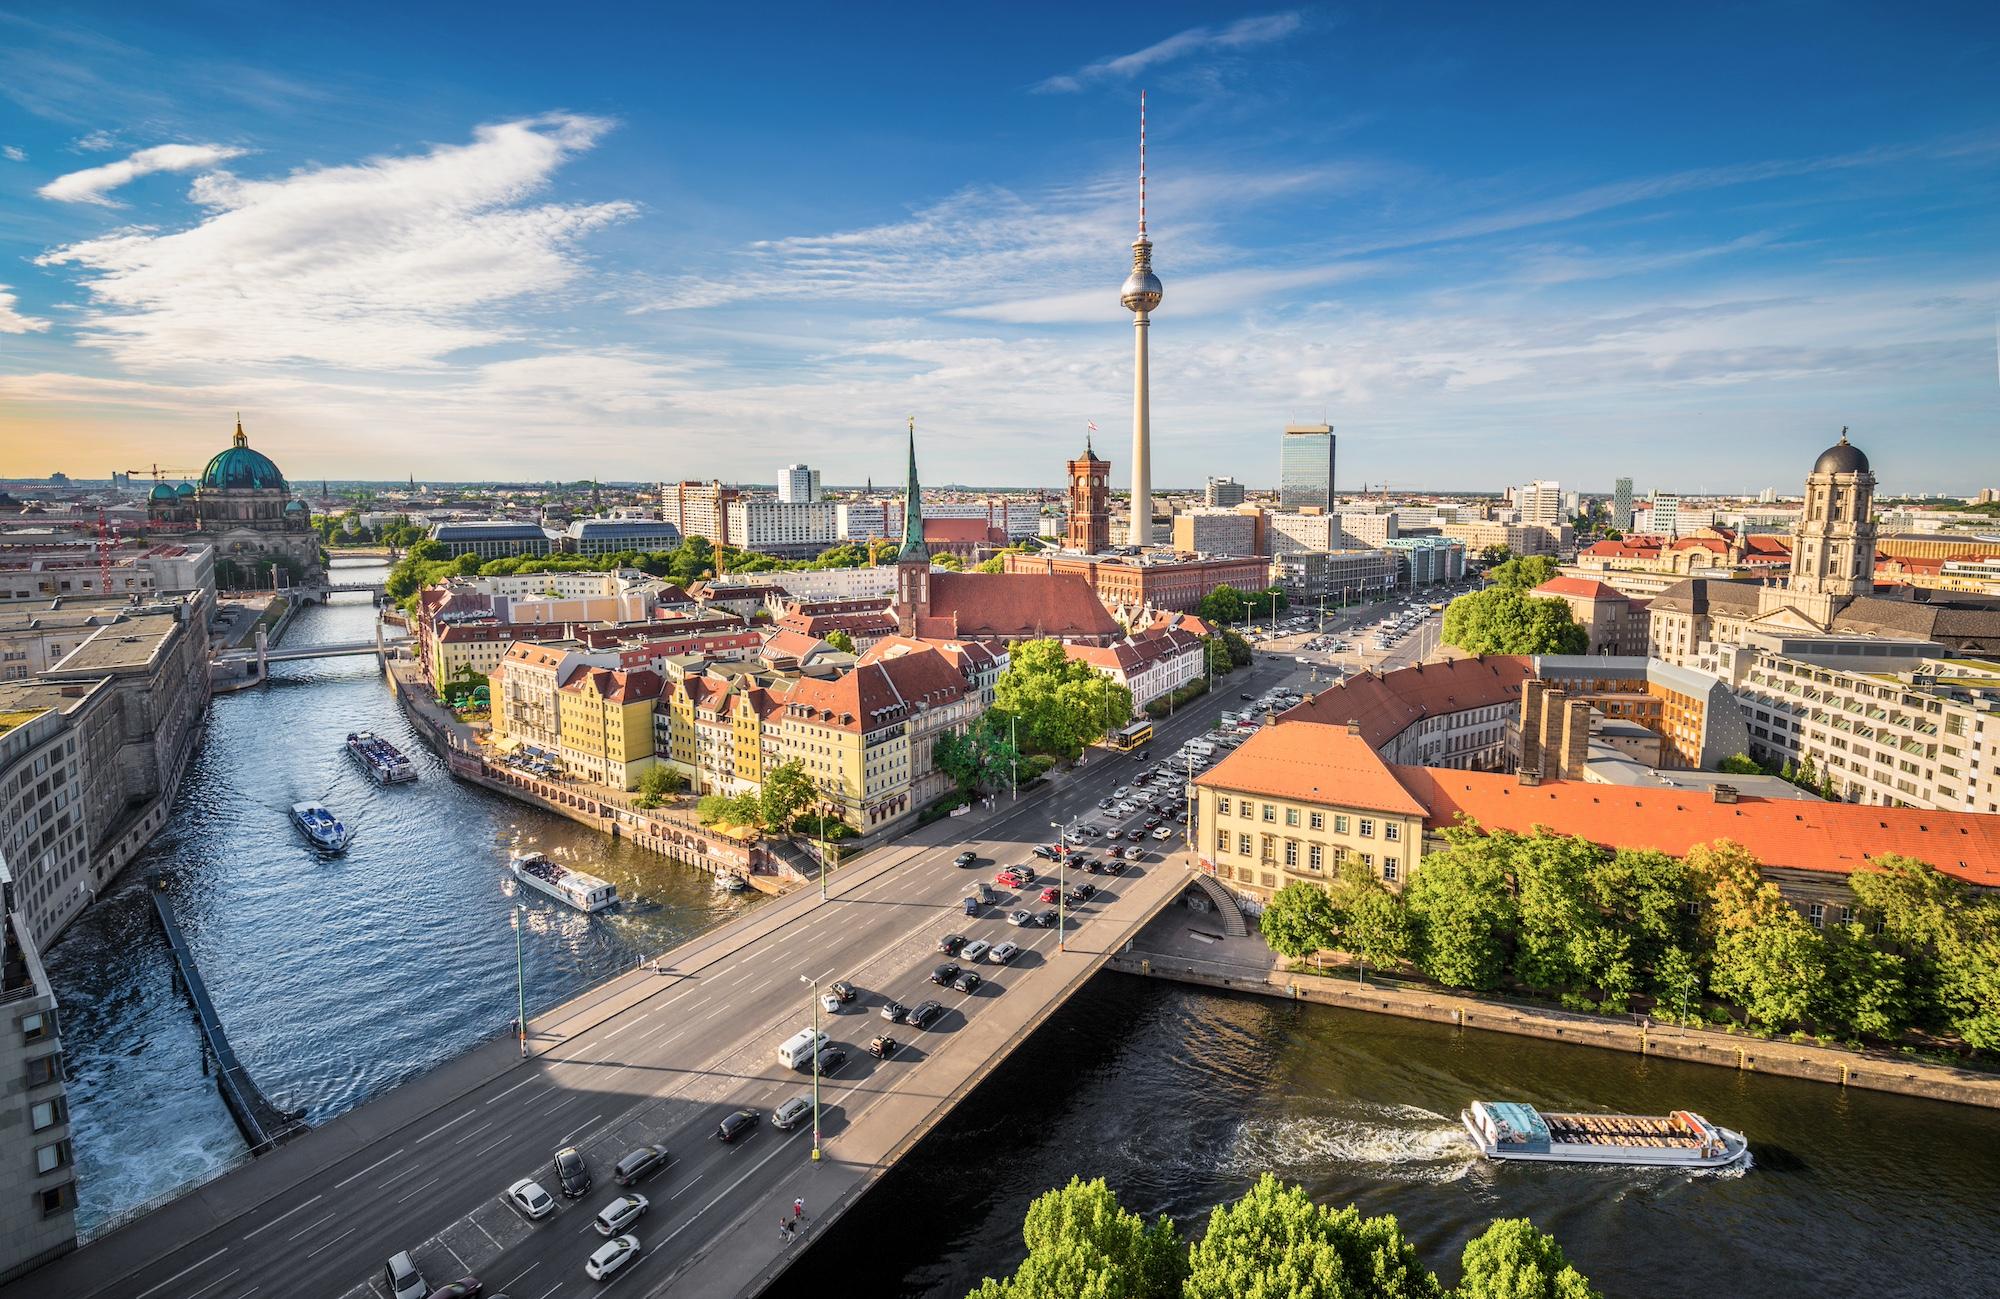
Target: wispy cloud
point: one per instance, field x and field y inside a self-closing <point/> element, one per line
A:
<point x="12" y="321"/>
<point x="99" y="141"/>
<point x="1244" y="33"/>
<point x="14" y="154"/>
<point x="94" y="184"/>
<point x="392" y="263"/>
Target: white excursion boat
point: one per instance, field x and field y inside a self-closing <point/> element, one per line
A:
<point x="729" y="882"/>
<point x="574" y="887"/>
<point x="320" y="826"/>
<point x="1683" y="1139"/>
<point x="383" y="761"/>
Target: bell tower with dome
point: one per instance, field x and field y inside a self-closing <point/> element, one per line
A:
<point x="1833" y="543"/>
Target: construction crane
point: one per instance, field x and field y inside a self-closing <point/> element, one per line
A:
<point x="156" y="471"/>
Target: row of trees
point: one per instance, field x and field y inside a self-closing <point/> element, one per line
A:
<point x="347" y="529"/>
<point x="1505" y="618"/>
<point x="1226" y="605"/>
<point x="1598" y="927"/>
<point x="1273" y="1243"/>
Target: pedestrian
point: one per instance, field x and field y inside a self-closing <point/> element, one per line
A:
<point x="785" y="1231"/>
<point x="799" y="1208"/>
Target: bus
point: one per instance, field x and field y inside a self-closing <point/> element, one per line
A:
<point x="1132" y="737"/>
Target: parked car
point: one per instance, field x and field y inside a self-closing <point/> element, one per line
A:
<point x="894" y="1011"/>
<point x="950" y="944"/>
<point x="830" y="1003"/>
<point x="1051" y="893"/>
<point x="621" y="1213"/>
<point x="1003" y="953"/>
<point x="572" y="1174"/>
<point x="945" y="973"/>
<point x="740" y="1124"/>
<point x="642" y="1162"/>
<point x="974" y="950"/>
<point x="791" y="1113"/>
<point x="405" y="1281"/>
<point x="882" y="1047"/>
<point x="967" y="981"/>
<point x="965" y="859"/>
<point x="1086" y="890"/>
<point x="1164" y="833"/>
<point x="528" y="1196"/>
<point x="926" y="1014"/>
<point x="611" y="1258"/>
<point x="466" y="1287"/>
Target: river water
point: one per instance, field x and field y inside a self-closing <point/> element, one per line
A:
<point x="337" y="978"/>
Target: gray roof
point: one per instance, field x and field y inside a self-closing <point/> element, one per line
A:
<point x="488" y="530"/>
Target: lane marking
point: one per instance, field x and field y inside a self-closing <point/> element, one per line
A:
<point x="511" y="1090"/>
<point x="313" y="1226"/>
<point x="218" y="1281"/>
<point x="454" y="1253"/>
<point x="493" y="1146"/>
<point x="578" y="1128"/>
<point x="727" y="1190"/>
<point x="489" y="1235"/>
<point x="281" y="1217"/>
<point x="622" y="1027"/>
<point x="371" y="1168"/>
<point x="685" y="1185"/>
<point x="412" y="1169"/>
<point x="414" y="1189"/>
<point x="470" y="1133"/>
<point x="442" y="1126"/>
<point x="517" y="1280"/>
<point x="551" y="1290"/>
<point x="331" y="1243"/>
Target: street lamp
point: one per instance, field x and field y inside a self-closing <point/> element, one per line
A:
<point x="518" y="919"/>
<point x="814" y="985"/>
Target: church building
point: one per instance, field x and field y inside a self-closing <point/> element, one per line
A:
<point x="242" y="507"/>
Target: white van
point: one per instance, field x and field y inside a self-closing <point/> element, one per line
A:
<point x="796" y="1052"/>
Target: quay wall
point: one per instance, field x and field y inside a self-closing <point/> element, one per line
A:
<point x="1876" y="1071"/>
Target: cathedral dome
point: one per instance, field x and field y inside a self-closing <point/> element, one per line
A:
<point x="161" y="492"/>
<point x="1843" y="457"/>
<point x="239" y="467"/>
<point x="183" y="489"/>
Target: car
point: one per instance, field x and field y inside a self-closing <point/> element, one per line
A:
<point x="1086" y="890"/>
<point x="1165" y="832"/>
<point x="621" y="1213"/>
<point x="883" y="1047"/>
<point x="1047" y="919"/>
<point x="1135" y="834"/>
<point x="830" y="1003"/>
<point x="1050" y="894"/>
<point x="1123" y="791"/>
<point x="842" y="989"/>
<point x="830" y="1060"/>
<point x="405" y="1282"/>
<point x="528" y="1196"/>
<point x="740" y="1124"/>
<point x="1003" y="953"/>
<point x="1047" y="851"/>
<point x="1117" y="867"/>
<point x="945" y="973"/>
<point x="894" y="1011"/>
<point x="926" y="1014"/>
<point x="950" y="944"/>
<point x="1020" y="918"/>
<point x="1155" y="822"/>
<point x="1246" y="697"/>
<point x="1075" y="898"/>
<point x="642" y="1161"/>
<point x="968" y="981"/>
<point x="970" y="905"/>
<point x="1010" y="880"/>
<point x="611" y="1258"/>
<point x="466" y="1287"/>
<point x="965" y="859"/>
<point x="790" y="1114"/>
<point x="1144" y="754"/>
<point x="1092" y="866"/>
<point x="1106" y="804"/>
<point x="974" y="950"/>
<point x="572" y="1174"/>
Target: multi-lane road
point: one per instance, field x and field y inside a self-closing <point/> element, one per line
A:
<point x="662" y="1057"/>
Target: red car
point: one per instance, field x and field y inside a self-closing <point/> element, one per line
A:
<point x="1051" y="893"/>
<point x="1010" y="879"/>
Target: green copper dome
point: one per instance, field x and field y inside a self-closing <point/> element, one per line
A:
<point x="184" y="489"/>
<point x="161" y="492"/>
<point x="239" y="467"/>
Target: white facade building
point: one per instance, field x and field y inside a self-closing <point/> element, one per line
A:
<point x="765" y="524"/>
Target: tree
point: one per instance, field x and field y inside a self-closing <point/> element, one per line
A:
<point x="1496" y="554"/>
<point x="949" y="562"/>
<point x="1082" y="1242"/>
<point x="1558" y="924"/>
<point x="1740" y="764"/>
<point x="1864" y="992"/>
<point x="1971" y="985"/>
<point x="742" y="809"/>
<point x="1276" y="1242"/>
<point x="1521" y="574"/>
<point x="1503" y="620"/>
<point x="1773" y="969"/>
<point x="1061" y="704"/>
<point x="1513" y="1260"/>
<point x="657" y="782"/>
<point x="1462" y="910"/>
<point x="997" y="564"/>
<point x="1370" y="922"/>
<point x="786" y="790"/>
<point x="1222" y="606"/>
<point x="1220" y="660"/>
<point x="1920" y="910"/>
<point x="1299" y="920"/>
<point x="981" y="757"/>
<point x="1239" y="649"/>
<point x="840" y="640"/>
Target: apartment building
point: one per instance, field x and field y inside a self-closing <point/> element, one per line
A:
<point x="38" y="1176"/>
<point x="605" y="721"/>
<point x="699" y="510"/>
<point x="794" y="529"/>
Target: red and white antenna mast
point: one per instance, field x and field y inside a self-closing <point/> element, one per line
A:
<point x="1142" y="164"/>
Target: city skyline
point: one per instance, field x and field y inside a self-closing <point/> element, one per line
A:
<point x="534" y="273"/>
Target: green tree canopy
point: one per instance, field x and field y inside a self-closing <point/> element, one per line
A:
<point x="949" y="562"/>
<point x="1523" y="573"/>
<point x="1462" y="909"/>
<point x="1276" y="1243"/>
<point x="840" y="640"/>
<point x="1502" y="620"/>
<point x="1083" y="1243"/>
<point x="1370" y="922"/>
<point x="1222" y="606"/>
<point x="1299" y="920"/>
<point x="787" y="790"/>
<point x="980" y="757"/>
<point x="1512" y="1260"/>
<point x="657" y="782"/>
<point x="1060" y="704"/>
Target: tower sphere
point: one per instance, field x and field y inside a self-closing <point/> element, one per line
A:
<point x="1141" y="291"/>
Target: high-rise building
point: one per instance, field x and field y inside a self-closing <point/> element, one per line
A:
<point x="1540" y="503"/>
<point x="1305" y="467"/>
<point x="1222" y="493"/>
<point x="798" y="485"/>
<point x="1665" y="516"/>
<point x="1621" y="505"/>
<point x="698" y="509"/>
<point x="1141" y="296"/>
<point x="1089" y="527"/>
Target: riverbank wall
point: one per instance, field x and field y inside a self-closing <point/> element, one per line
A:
<point x="1872" y="1070"/>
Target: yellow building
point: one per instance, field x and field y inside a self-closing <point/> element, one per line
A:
<point x="1298" y="799"/>
<point x="606" y="720"/>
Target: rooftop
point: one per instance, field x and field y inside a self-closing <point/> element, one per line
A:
<point x="1311" y="763"/>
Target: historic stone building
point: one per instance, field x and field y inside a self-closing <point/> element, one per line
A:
<point x="1089" y="503"/>
<point x="242" y="507"/>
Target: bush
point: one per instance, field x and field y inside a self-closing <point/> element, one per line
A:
<point x="1165" y="704"/>
<point x="942" y="808"/>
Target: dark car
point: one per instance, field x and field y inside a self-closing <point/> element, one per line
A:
<point x="830" y="1059"/>
<point x="1155" y="822"/>
<point x="883" y="1047"/>
<point x="967" y="981"/>
<point x="1106" y="804"/>
<point x="466" y="1287"/>
<point x="740" y="1124"/>
<point x="1135" y="835"/>
<point x="842" y="989"/>
<point x="635" y="1164"/>
<point x="966" y="859"/>
<point x="945" y="973"/>
<point x="1047" y="919"/>
<point x="1086" y="890"/>
<point x="1247" y="695"/>
<point x="1092" y="866"/>
<point x="1076" y="898"/>
<point x="926" y="1015"/>
<point x="1145" y="754"/>
<point x="950" y="944"/>
<point x="572" y="1173"/>
<point x="894" y="1011"/>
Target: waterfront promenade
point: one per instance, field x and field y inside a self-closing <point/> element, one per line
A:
<point x="652" y="1057"/>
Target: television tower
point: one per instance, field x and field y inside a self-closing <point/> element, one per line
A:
<point x="1140" y="295"/>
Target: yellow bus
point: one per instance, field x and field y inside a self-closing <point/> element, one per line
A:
<point x="1132" y="737"/>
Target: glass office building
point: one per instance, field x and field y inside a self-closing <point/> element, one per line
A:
<point x="1305" y="469"/>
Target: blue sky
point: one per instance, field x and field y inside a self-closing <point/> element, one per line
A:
<point x="1488" y="243"/>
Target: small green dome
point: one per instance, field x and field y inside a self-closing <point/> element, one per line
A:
<point x="184" y="489"/>
<point x="295" y="507"/>
<point x="239" y="467"/>
<point x="161" y="492"/>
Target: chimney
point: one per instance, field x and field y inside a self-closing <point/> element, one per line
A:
<point x="1724" y="793"/>
<point x="1529" y="777"/>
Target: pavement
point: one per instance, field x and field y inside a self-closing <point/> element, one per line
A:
<point x="662" y="1057"/>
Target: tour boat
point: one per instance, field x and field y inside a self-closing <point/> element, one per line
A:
<point x="1682" y="1139"/>
<point x="383" y="761"/>
<point x="727" y="882"/>
<point x="574" y="887"/>
<point x="320" y="826"/>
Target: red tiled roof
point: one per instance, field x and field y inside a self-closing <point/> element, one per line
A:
<point x="1016" y="606"/>
<point x="1581" y="587"/>
<point x="879" y="694"/>
<point x="1780" y="833"/>
<point x="956" y="530"/>
<point x="614" y="687"/>
<point x="1311" y="763"/>
<point x="1385" y="705"/>
<point x="1635" y="547"/>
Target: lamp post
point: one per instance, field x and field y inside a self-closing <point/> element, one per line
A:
<point x="520" y="979"/>
<point x="813" y="984"/>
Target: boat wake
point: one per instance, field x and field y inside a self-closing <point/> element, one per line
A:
<point x="1393" y="1141"/>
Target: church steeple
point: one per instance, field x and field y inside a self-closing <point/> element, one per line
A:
<point x="913" y="561"/>
<point x="913" y="510"/>
<point x="241" y="440"/>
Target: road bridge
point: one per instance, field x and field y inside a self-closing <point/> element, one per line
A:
<point x="662" y="1057"/>
<point x="331" y="650"/>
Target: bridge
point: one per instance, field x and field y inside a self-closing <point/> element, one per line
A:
<point x="661" y="1056"/>
<point x="331" y="650"/>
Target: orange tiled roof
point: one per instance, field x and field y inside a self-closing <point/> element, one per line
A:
<point x="613" y="686"/>
<point x="1310" y="763"/>
<point x="1385" y="705"/>
<point x="1581" y="587"/>
<point x="1016" y="606"/>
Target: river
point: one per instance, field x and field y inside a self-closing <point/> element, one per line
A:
<point x="337" y="978"/>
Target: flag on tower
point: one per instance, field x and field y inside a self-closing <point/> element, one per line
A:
<point x="1091" y="425"/>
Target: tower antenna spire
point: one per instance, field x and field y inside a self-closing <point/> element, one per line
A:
<point x="1142" y="164"/>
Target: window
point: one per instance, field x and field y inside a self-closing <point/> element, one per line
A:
<point x="34" y="1027"/>
<point x="1847" y="915"/>
<point x="1291" y="816"/>
<point x="1317" y="820"/>
<point x="1222" y="806"/>
<point x="57" y="1199"/>
<point x="51" y="1157"/>
<point x="1315" y="857"/>
<point x="45" y="1069"/>
<point x="1391" y="831"/>
<point x="1291" y="852"/>
<point x="1243" y="844"/>
<point x="1340" y="825"/>
<point x="1368" y="860"/>
<point x="1817" y="914"/>
<point x="1367" y="828"/>
<point x="1270" y="812"/>
<point x="46" y="1114"/>
<point x="1389" y="868"/>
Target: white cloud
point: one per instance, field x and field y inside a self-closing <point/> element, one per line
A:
<point x="388" y="264"/>
<point x="98" y="141"/>
<point x="94" y="184"/>
<point x="13" y="153"/>
<point x="1241" y="34"/>
<point x="12" y="321"/>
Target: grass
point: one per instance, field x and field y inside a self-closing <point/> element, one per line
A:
<point x="8" y="721"/>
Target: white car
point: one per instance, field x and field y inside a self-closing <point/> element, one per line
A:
<point x="830" y="1003"/>
<point x="973" y="950"/>
<point x="528" y="1196"/>
<point x="612" y="1257"/>
<point x="1164" y="832"/>
<point x="1123" y="791"/>
<point x="1004" y="953"/>
<point x="621" y="1213"/>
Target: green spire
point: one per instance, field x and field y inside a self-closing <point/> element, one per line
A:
<point x="913" y="510"/>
